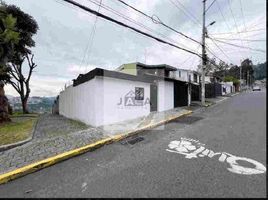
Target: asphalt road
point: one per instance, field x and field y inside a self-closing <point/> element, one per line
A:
<point x="145" y="169"/>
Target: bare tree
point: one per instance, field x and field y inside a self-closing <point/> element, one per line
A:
<point x="20" y="82"/>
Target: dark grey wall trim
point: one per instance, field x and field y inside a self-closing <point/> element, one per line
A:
<point x="82" y="78"/>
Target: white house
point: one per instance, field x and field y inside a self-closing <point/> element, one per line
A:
<point x="103" y="97"/>
<point x="186" y="75"/>
<point x="227" y="88"/>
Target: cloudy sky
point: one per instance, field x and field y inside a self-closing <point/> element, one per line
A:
<point x="66" y="43"/>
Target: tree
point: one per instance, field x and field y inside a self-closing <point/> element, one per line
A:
<point x="260" y="71"/>
<point x="26" y="27"/>
<point x="247" y="71"/>
<point x="210" y="66"/>
<point x="9" y="36"/>
<point x="234" y="71"/>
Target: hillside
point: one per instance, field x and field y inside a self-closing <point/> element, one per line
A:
<point x="35" y="104"/>
<point x="260" y="71"/>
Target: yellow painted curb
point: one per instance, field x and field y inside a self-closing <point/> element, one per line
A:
<point x="4" y="178"/>
<point x="50" y="161"/>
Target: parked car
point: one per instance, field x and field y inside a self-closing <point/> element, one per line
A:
<point x="256" y="88"/>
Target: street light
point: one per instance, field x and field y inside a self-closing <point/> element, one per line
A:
<point x="206" y="33"/>
<point x="212" y="23"/>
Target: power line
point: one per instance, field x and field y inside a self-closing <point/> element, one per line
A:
<point x="261" y="40"/>
<point x="195" y="21"/>
<point x="210" y="5"/>
<point x="188" y="12"/>
<point x="225" y="21"/>
<point x="237" y="32"/>
<point x="158" y="21"/>
<point x="260" y="50"/>
<point x="235" y="21"/>
<point x="91" y="37"/>
<point x="241" y="7"/>
<point x="210" y="51"/>
<point x="127" y="26"/>
<point x="135" y="9"/>
<point x="221" y="50"/>
<point x="135" y="22"/>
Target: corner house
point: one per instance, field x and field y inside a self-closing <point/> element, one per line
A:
<point x="102" y="97"/>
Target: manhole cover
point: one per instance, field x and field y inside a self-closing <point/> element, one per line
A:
<point x="133" y="140"/>
<point x="188" y="119"/>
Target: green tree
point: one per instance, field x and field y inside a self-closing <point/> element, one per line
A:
<point x="9" y="36"/>
<point x="231" y="79"/>
<point x="27" y="27"/>
<point x="247" y="71"/>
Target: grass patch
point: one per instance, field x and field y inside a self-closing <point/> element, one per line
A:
<point x="16" y="130"/>
<point x="20" y="114"/>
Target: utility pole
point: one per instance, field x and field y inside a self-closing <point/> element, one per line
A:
<point x="240" y="76"/>
<point x="189" y="88"/>
<point x="203" y="55"/>
<point x="248" y="79"/>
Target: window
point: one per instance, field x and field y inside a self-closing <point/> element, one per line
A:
<point x="179" y="73"/>
<point x="189" y="78"/>
<point x="195" y="78"/>
<point x="139" y="93"/>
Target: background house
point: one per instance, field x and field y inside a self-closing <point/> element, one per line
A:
<point x="138" y="69"/>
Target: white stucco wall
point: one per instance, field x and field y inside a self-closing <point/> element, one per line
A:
<point x="96" y="101"/>
<point x="165" y="96"/>
<point x="110" y="92"/>
<point x="79" y="102"/>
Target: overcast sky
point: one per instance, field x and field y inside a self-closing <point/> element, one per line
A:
<point x="65" y="46"/>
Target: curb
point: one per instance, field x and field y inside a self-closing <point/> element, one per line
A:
<point x="6" y="177"/>
<point x="13" y="145"/>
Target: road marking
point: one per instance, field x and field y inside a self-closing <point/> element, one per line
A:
<point x="194" y="149"/>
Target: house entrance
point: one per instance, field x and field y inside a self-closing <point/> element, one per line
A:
<point x="153" y="97"/>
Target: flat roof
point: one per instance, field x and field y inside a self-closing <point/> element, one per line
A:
<point x="161" y="66"/>
<point x="82" y="78"/>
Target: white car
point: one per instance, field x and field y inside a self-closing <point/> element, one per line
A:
<point x="256" y="88"/>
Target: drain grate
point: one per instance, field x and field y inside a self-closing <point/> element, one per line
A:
<point x="133" y="141"/>
<point x="188" y="119"/>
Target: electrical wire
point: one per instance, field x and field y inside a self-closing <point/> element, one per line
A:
<point x="221" y="50"/>
<point x="127" y="26"/>
<point x="235" y="22"/>
<point x="238" y="32"/>
<point x="260" y="50"/>
<point x="91" y="38"/>
<point x="210" y="5"/>
<point x="137" y="23"/>
<point x="158" y="21"/>
<point x="196" y="22"/>
<point x="260" y="40"/>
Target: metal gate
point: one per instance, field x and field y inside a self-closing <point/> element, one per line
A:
<point x="180" y="94"/>
<point x="153" y="97"/>
<point x="195" y="93"/>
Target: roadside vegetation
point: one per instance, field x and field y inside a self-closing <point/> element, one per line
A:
<point x="18" y="129"/>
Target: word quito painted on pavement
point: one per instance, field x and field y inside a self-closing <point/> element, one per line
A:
<point x="194" y="149"/>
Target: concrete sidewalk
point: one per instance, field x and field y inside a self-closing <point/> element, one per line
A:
<point x="50" y="145"/>
<point x="154" y="118"/>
